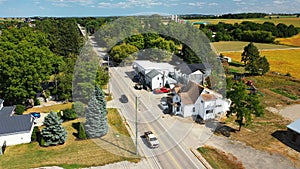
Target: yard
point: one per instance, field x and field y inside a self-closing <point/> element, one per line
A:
<point x="113" y="147"/>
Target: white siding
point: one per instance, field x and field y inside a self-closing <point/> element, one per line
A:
<point x="157" y="82"/>
<point x="17" y="138"/>
<point x="188" y="110"/>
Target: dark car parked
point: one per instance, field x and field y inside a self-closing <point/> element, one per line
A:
<point x="124" y="98"/>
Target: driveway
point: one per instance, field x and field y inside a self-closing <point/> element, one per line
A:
<point x="291" y="112"/>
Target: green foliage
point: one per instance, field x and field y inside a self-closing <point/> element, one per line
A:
<point x="96" y="115"/>
<point x="36" y="101"/>
<point x="254" y="63"/>
<point x="243" y="105"/>
<point x="69" y="114"/>
<point x="19" y="109"/>
<point x="35" y="134"/>
<point x="122" y="51"/>
<point x="53" y="133"/>
<point x="79" y="108"/>
<point x="81" y="132"/>
<point x="284" y="93"/>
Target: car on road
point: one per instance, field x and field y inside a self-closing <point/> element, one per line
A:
<point x="124" y="98"/>
<point x="164" y="105"/>
<point x="152" y="139"/>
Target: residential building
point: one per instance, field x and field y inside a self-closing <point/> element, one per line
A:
<point x="195" y="100"/>
<point x="14" y="129"/>
<point x="198" y="72"/>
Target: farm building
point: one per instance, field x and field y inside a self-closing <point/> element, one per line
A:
<point x="14" y="129"/>
<point x="294" y="132"/>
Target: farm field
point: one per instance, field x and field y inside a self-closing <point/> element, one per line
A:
<point x="75" y="153"/>
<point x="230" y="46"/>
<point x="281" y="61"/>
<point x="292" y="41"/>
<point x="286" y="20"/>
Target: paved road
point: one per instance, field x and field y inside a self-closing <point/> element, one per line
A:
<point x="173" y="133"/>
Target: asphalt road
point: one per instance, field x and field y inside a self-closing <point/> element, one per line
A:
<point x="173" y="151"/>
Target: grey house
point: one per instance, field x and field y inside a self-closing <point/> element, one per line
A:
<point x="14" y="129"/>
<point x="294" y="132"/>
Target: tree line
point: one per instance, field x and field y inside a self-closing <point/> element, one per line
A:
<point x="248" y="31"/>
<point x="225" y="16"/>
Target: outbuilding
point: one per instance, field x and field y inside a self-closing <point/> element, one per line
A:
<point x="294" y="132"/>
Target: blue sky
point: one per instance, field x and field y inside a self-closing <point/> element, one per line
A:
<point x="17" y="8"/>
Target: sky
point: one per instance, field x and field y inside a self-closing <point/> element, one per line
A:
<point x="71" y="8"/>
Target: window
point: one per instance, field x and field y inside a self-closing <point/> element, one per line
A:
<point x="194" y="109"/>
<point x="218" y="105"/>
<point x="178" y="108"/>
<point x="157" y="78"/>
<point x="209" y="111"/>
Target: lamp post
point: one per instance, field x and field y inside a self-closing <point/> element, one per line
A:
<point x="136" y="125"/>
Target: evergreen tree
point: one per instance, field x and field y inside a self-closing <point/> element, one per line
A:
<point x="96" y="115"/>
<point x="53" y="133"/>
<point x="254" y="63"/>
<point x="81" y="132"/>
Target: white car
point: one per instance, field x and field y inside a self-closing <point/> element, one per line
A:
<point x="164" y="105"/>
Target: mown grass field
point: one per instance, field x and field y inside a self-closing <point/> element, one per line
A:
<point x="47" y="109"/>
<point x="286" y="20"/>
<point x="74" y="153"/>
<point x="292" y="41"/>
<point x="281" y="61"/>
<point x="230" y="46"/>
<point x="218" y="159"/>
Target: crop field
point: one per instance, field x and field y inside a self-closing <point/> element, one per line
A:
<point x="230" y="46"/>
<point x="281" y="61"/>
<point x="286" y="20"/>
<point x="292" y="41"/>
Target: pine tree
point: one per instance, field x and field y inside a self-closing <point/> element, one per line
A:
<point x="96" y="115"/>
<point x="81" y="132"/>
<point x="53" y="133"/>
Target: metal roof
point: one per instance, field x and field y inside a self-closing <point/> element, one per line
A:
<point x="295" y="126"/>
<point x="153" y="73"/>
<point x="190" y="68"/>
<point x="10" y="124"/>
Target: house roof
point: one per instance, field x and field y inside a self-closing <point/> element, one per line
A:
<point x="208" y="97"/>
<point x="190" y="93"/>
<point x="6" y="112"/>
<point x="190" y="68"/>
<point x="15" y="124"/>
<point x="146" y="64"/>
<point x="153" y="73"/>
<point x="295" y="126"/>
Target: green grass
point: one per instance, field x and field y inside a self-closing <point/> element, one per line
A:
<point x="218" y="159"/>
<point x="47" y="109"/>
<point x="229" y="46"/>
<point x="74" y="153"/>
<point x="284" y="93"/>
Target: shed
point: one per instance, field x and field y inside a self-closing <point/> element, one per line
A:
<point x="294" y="132"/>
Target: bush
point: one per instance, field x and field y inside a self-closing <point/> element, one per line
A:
<point x="69" y="114"/>
<point x="42" y="142"/>
<point x="37" y="102"/>
<point x="81" y="132"/>
<point x="19" y="109"/>
<point x="79" y="108"/>
<point x="35" y="134"/>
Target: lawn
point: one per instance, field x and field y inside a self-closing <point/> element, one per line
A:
<point x="113" y="147"/>
<point x="286" y="20"/>
<point x="47" y="109"/>
<point x="234" y="46"/>
<point x="281" y="61"/>
<point x="218" y="159"/>
<point x="292" y="41"/>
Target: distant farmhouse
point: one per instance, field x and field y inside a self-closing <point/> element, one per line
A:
<point x="14" y="129"/>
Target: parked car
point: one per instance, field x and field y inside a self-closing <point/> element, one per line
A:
<point x="165" y="90"/>
<point x="36" y="114"/>
<point x="164" y="105"/>
<point x="124" y="98"/>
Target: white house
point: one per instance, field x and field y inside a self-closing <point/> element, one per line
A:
<point x="193" y="99"/>
<point x="154" y="79"/>
<point x="14" y="129"/>
<point x="184" y="73"/>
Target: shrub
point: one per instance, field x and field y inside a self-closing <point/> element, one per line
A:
<point x="69" y="114"/>
<point x="81" y="132"/>
<point x="19" y="109"/>
<point x="79" y="108"/>
<point x="35" y="134"/>
<point x="37" y="102"/>
<point x="42" y="142"/>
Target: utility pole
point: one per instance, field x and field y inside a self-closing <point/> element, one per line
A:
<point x="136" y="126"/>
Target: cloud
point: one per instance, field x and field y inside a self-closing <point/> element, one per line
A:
<point x="236" y="0"/>
<point x="130" y="4"/>
<point x="278" y="2"/>
<point x="196" y="4"/>
<point x="213" y="4"/>
<point x="2" y="1"/>
<point x="68" y="3"/>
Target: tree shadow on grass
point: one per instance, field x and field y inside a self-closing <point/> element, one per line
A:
<point x="282" y="136"/>
<point x="118" y="146"/>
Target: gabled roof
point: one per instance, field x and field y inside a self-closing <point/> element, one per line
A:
<point x="6" y="112"/>
<point x="16" y="124"/>
<point x="153" y="73"/>
<point x="190" y="93"/>
<point x="190" y="68"/>
<point x="295" y="126"/>
<point x="208" y="97"/>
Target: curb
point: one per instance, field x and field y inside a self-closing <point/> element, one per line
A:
<point x="201" y="158"/>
